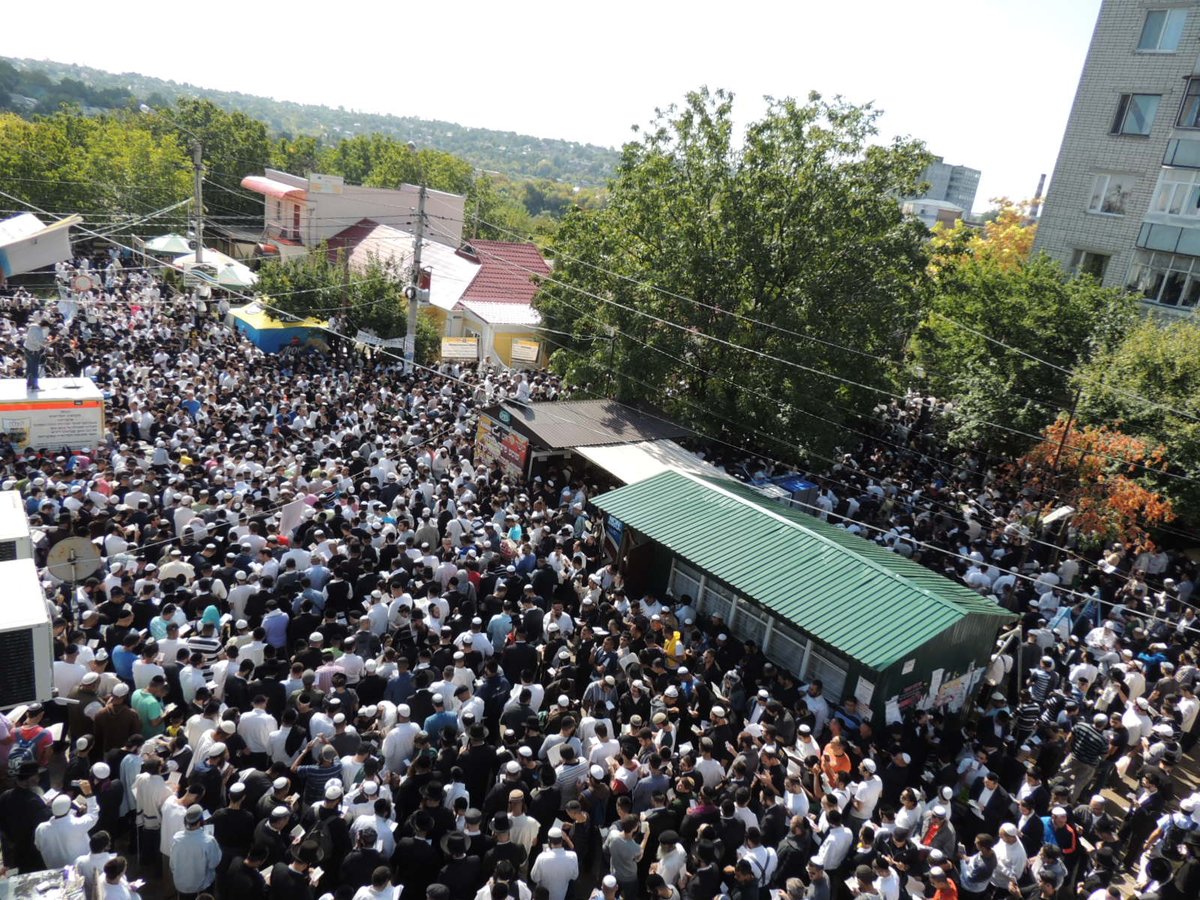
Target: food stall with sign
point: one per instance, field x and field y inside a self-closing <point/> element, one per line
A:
<point x="526" y="439"/>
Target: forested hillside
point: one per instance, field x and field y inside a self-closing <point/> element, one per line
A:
<point x="41" y="86"/>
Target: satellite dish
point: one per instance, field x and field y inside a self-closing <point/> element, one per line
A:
<point x="72" y="560"/>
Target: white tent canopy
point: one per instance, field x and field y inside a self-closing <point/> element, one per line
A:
<point x="168" y="243"/>
<point x="234" y="275"/>
<point x="214" y="258"/>
<point x="641" y="460"/>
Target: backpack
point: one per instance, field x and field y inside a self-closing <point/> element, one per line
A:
<point x="320" y="833"/>
<point x="23" y="750"/>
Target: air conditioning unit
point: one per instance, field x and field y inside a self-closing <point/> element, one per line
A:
<point x="15" y="541"/>
<point x="26" y="636"/>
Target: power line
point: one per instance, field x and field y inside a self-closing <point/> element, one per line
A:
<point x="1116" y="390"/>
<point x="695" y="332"/>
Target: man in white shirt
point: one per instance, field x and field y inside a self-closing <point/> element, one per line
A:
<point x="398" y="745"/>
<point x="68" y="671"/>
<point x="64" y="838"/>
<point x="555" y="867"/>
<point x="865" y="794"/>
<point x="255" y="727"/>
<point x="836" y="844"/>
<point x="817" y="705"/>
<point x="1011" y="857"/>
<point x="146" y="667"/>
<point x="710" y="769"/>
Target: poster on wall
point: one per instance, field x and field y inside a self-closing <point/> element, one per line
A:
<point x="864" y="693"/>
<point x="525" y="351"/>
<point x="497" y="443"/>
<point x="460" y="348"/>
<point x="614" y="530"/>
<point x="952" y="694"/>
<point x="912" y="695"/>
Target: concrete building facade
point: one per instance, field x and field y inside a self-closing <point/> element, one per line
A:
<point x="1124" y="199"/>
<point x="956" y="185"/>
<point x="299" y="212"/>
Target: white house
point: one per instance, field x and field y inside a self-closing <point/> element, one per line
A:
<point x="301" y="212"/>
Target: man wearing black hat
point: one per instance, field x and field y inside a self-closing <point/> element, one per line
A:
<point x="416" y="860"/>
<point x="21" y="811"/>
<point x="293" y="880"/>
<point x="478" y="760"/>
<point x="504" y="850"/>
<point x="463" y="874"/>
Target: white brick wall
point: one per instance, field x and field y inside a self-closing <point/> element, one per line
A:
<point x="1114" y="67"/>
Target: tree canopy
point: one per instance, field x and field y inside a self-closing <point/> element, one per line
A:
<point x="1100" y="472"/>
<point x="112" y="169"/>
<point x="705" y="236"/>
<point x="994" y="318"/>
<point x="320" y="285"/>
<point x="1157" y="362"/>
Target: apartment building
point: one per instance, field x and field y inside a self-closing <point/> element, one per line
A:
<point x="950" y="183"/>
<point x="1124" y="200"/>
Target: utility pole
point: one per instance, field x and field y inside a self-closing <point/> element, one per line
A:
<point x="414" y="289"/>
<point x="198" y="197"/>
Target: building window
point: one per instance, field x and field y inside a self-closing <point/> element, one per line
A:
<point x="1135" y="114"/>
<point x="1178" y="193"/>
<point x="1189" y="112"/>
<point x="1162" y="30"/>
<point x="1110" y="193"/>
<point x="1084" y="262"/>
<point x="279" y="211"/>
<point x="1166" y="279"/>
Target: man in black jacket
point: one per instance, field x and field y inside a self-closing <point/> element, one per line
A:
<point x="416" y="861"/>
<point x="361" y="862"/>
<point x="243" y="879"/>
<point x="292" y="881"/>
<point x="462" y="874"/>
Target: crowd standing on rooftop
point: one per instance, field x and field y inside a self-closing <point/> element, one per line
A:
<point x="330" y="653"/>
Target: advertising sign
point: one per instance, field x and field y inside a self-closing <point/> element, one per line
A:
<point x="460" y="348"/>
<point x="615" y="529"/>
<point x="496" y="443"/>
<point x="526" y="351"/>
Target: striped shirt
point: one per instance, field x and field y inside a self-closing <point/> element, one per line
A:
<point x="1087" y="744"/>
<point x="1041" y="682"/>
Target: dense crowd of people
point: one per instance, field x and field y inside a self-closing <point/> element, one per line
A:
<point x="330" y="653"/>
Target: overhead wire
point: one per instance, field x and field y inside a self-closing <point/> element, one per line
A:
<point x="959" y="513"/>
<point x="1103" y="385"/>
<point x="386" y="352"/>
<point x="818" y="372"/>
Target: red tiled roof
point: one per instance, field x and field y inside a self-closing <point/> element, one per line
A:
<point x="506" y="273"/>
<point x="349" y="238"/>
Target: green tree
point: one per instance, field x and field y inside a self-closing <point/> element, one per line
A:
<point x="492" y="214"/>
<point x="369" y="298"/>
<point x="1159" y="363"/>
<point x="235" y="145"/>
<point x="1029" y="305"/>
<point x="796" y="226"/>
<point x="110" y="168"/>
<point x="298" y="155"/>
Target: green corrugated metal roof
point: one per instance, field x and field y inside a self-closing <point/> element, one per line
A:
<point x="849" y="593"/>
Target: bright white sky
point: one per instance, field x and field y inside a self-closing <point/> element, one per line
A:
<point x="985" y="83"/>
